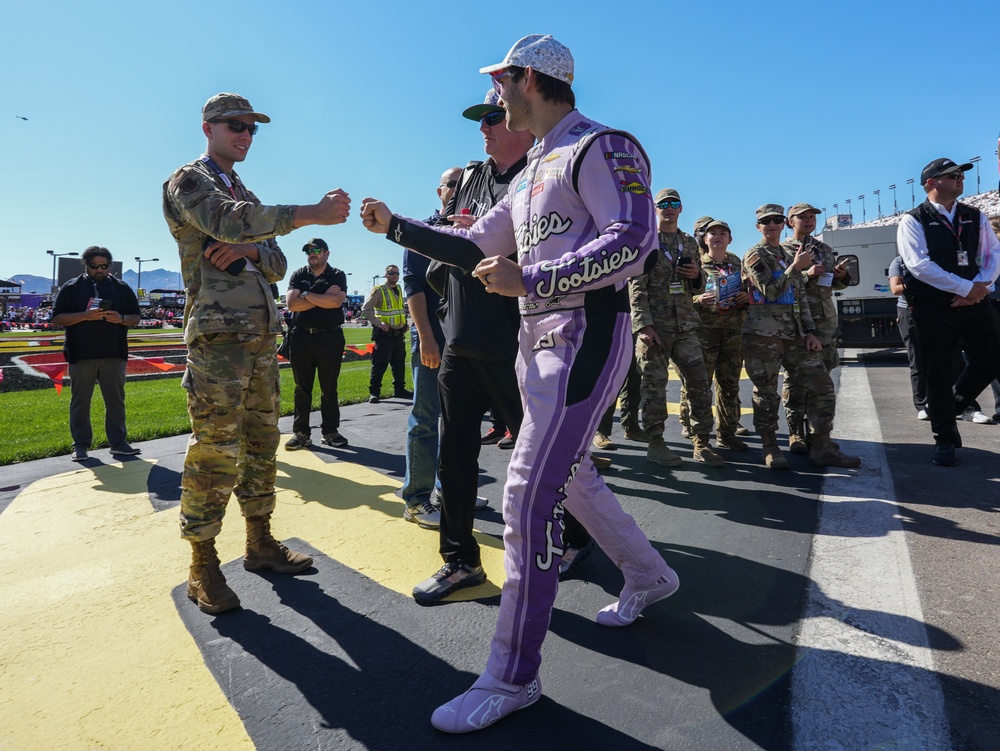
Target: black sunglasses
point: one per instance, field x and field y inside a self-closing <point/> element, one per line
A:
<point x="493" y="118"/>
<point x="237" y="126"/>
<point x="449" y="184"/>
<point x="771" y="220"/>
<point x="103" y="266"/>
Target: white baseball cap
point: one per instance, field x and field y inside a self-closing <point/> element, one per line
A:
<point x="541" y="53"/>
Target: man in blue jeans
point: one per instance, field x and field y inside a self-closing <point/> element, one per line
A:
<point x="425" y="358"/>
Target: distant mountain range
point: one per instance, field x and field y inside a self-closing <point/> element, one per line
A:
<point x="151" y="279"/>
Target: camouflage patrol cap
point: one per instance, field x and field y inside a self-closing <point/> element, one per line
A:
<point x="229" y="105"/>
<point x="667" y="194"/>
<point x="803" y="208"/>
<point x="316" y="242"/>
<point x="701" y="223"/>
<point x="770" y="209"/>
<point x="717" y="223"/>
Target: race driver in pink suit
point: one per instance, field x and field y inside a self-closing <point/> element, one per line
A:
<point x="574" y="226"/>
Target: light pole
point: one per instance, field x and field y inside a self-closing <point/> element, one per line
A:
<point x="55" y="255"/>
<point x="894" y="209"/>
<point x="138" y="281"/>
<point x="975" y="161"/>
<point x="864" y="216"/>
<point x="912" y="199"/>
<point x="849" y="214"/>
<point x="879" y="203"/>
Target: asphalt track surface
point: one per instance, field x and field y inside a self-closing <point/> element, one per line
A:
<point x="846" y="609"/>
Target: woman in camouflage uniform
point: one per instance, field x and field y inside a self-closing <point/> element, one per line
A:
<point x="780" y="332"/>
<point x="821" y="279"/>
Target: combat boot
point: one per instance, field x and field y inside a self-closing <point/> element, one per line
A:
<point x="773" y="458"/>
<point x="206" y="585"/>
<point x="730" y="442"/>
<point x="825" y="453"/>
<point x="796" y="437"/>
<point x="703" y="452"/>
<point x="263" y="551"/>
<point x="658" y="453"/>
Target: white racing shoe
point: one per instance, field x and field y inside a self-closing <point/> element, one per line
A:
<point x="633" y="601"/>
<point x="486" y="702"/>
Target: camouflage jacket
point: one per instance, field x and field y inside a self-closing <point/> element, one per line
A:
<point x="819" y="289"/>
<point x="661" y="298"/>
<point x="198" y="207"/>
<point x="775" y="294"/>
<point x="715" y="317"/>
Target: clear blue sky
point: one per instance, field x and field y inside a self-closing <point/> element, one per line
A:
<point x="737" y="105"/>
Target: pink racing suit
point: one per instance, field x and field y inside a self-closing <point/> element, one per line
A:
<point x="580" y="219"/>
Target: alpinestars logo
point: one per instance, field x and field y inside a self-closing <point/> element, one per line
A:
<point x="488" y="712"/>
<point x="630" y="611"/>
<point x="399" y="233"/>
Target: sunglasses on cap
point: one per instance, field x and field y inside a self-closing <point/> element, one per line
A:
<point x="771" y="220"/>
<point x="237" y="126"/>
<point x="449" y="183"/>
<point x="102" y="266"/>
<point x="668" y="205"/>
<point x="493" y="118"/>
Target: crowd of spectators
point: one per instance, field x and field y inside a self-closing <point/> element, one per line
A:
<point x="988" y="203"/>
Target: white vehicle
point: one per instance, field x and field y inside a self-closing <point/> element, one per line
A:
<point x="867" y="308"/>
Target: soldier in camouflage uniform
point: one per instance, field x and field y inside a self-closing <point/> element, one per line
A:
<point x="664" y="317"/>
<point x="779" y="331"/>
<point x="228" y="260"/>
<point x="722" y="313"/>
<point x="822" y="279"/>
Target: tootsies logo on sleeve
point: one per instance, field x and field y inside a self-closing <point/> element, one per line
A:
<point x="590" y="270"/>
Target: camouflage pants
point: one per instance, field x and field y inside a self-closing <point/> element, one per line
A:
<point x="234" y="403"/>
<point x="722" y="350"/>
<point x="684" y="349"/>
<point x="763" y="357"/>
<point x="794" y="395"/>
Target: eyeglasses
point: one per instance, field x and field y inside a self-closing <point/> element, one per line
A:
<point x="668" y="205"/>
<point x="314" y="251"/>
<point x="771" y="220"/>
<point x="498" y="77"/>
<point x="449" y="184"/>
<point x="237" y="126"/>
<point x="493" y="118"/>
<point x="102" y="266"/>
<point x="952" y="176"/>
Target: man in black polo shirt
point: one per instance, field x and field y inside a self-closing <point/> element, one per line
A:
<point x="316" y="293"/>
<point x="951" y="257"/>
<point x="97" y="310"/>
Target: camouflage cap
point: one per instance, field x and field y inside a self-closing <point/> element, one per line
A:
<point x="803" y="208"/>
<point x="542" y="54"/>
<point x="701" y="223"/>
<point x="667" y="194"/>
<point x="770" y="209"/>
<point x="229" y="105"/>
<point x="717" y="223"/>
<point x="490" y="104"/>
<point x="316" y="242"/>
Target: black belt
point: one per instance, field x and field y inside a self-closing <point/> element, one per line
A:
<point x="317" y="331"/>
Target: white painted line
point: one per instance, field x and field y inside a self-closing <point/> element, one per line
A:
<point x="864" y="676"/>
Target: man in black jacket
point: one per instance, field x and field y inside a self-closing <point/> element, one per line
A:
<point x="96" y="309"/>
<point x="952" y="256"/>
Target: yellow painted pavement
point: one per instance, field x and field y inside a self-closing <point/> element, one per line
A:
<point x="93" y="654"/>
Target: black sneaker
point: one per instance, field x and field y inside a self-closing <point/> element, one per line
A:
<point x="944" y="454"/>
<point x="79" y="454"/>
<point x="373" y="399"/>
<point x="335" y="439"/>
<point x="123" y="449"/>
<point x="404" y="394"/>
<point x="573" y="557"/>
<point x="452" y="576"/>
<point x="507" y="442"/>
<point x="298" y="441"/>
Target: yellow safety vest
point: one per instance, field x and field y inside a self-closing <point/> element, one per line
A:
<point x="391" y="311"/>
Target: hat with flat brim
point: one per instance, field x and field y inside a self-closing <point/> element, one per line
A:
<point x="490" y="104"/>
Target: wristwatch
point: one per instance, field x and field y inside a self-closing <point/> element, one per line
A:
<point x="305" y="294"/>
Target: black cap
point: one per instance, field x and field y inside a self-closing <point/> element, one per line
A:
<point x="942" y="167"/>
<point x="316" y="242"/>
